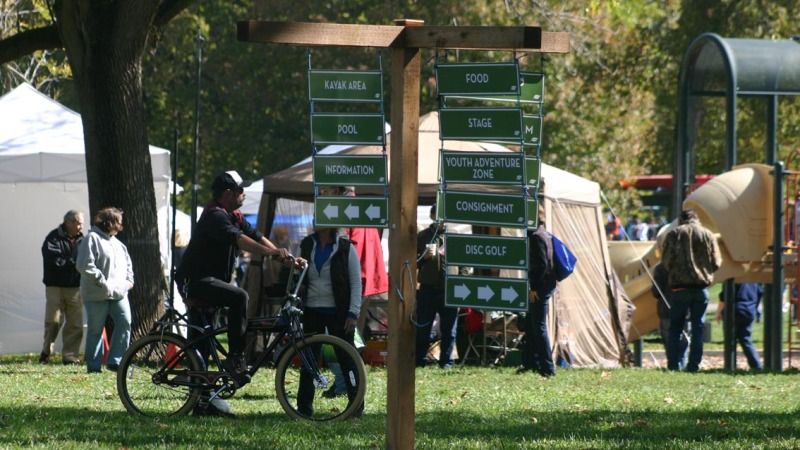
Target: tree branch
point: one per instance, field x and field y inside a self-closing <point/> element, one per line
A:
<point x="27" y="42"/>
<point x="169" y="9"/>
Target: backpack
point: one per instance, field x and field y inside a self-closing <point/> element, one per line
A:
<point x="563" y="259"/>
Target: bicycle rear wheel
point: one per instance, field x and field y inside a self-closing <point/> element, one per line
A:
<point x="309" y="386"/>
<point x="168" y="393"/>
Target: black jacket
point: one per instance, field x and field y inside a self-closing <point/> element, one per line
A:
<point x="540" y="259"/>
<point x="59" y="259"/>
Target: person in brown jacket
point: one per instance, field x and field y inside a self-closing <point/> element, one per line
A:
<point x="691" y="256"/>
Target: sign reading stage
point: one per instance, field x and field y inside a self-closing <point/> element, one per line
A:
<point x="481" y="124"/>
<point x="487" y="293"/>
<point x="345" y="86"/>
<point x="350" y="170"/>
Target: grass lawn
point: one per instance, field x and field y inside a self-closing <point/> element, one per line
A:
<point x="62" y="407"/>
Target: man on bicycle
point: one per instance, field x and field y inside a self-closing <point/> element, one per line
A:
<point x="206" y="269"/>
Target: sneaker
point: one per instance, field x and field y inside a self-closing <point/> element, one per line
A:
<point x="71" y="362"/>
<point x="44" y="358"/>
<point x="215" y="408"/>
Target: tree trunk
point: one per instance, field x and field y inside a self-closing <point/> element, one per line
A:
<point x="105" y="47"/>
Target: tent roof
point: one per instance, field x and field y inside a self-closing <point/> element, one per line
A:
<point x="42" y="140"/>
<point x="296" y="181"/>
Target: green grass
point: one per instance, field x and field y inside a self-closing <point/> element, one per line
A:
<point x="471" y="408"/>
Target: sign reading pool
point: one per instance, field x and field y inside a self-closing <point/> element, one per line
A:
<point x="332" y="128"/>
<point x="350" y="170"/>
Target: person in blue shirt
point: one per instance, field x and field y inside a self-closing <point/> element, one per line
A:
<point x="746" y="296"/>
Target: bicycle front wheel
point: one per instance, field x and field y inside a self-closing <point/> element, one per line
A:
<point x="321" y="379"/>
<point x="153" y="378"/>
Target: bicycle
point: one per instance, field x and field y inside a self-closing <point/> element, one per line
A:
<point x="164" y="374"/>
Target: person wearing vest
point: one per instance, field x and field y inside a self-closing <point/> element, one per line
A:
<point x="62" y="295"/>
<point x="332" y="299"/>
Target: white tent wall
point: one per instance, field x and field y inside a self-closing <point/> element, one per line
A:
<point x="42" y="176"/>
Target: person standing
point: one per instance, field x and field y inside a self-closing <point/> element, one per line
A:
<point x="691" y="256"/>
<point x="106" y="277"/>
<point x="61" y="280"/>
<point x="538" y="354"/>
<point x="661" y="291"/>
<point x="430" y="297"/>
<point x="747" y="296"/>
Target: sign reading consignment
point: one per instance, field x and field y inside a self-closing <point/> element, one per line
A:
<point x="502" y="210"/>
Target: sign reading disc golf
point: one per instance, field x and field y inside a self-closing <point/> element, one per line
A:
<point x="486" y="251"/>
<point x="502" y="210"/>
<point x="482" y="167"/>
<point x="350" y="170"/>
<point x="481" y="124"/>
<point x="351" y="211"/>
<point x="509" y="294"/>
<point x="477" y="79"/>
<point x="329" y="128"/>
<point x="345" y="86"/>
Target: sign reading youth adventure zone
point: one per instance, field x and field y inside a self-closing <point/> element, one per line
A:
<point x="345" y="86"/>
<point x="481" y="124"/>
<point x="482" y="167"/>
<point x="351" y="211"/>
<point x="503" y="210"/>
<point x="477" y="79"/>
<point x="350" y="170"/>
<point x="486" y="251"/>
<point x="487" y="293"/>
<point x="360" y="129"/>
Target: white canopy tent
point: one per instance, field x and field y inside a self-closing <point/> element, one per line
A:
<point x="42" y="175"/>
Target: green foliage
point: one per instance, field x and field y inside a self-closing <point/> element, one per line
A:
<point x="473" y="408"/>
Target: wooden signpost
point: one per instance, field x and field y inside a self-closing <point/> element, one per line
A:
<point x="404" y="40"/>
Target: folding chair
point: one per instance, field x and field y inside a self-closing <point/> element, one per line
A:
<point x="473" y="324"/>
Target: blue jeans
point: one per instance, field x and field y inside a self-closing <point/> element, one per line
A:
<point x="744" y="335"/>
<point x="430" y="302"/>
<point x="695" y="302"/>
<point x="96" y="313"/>
<point x="539" y="352"/>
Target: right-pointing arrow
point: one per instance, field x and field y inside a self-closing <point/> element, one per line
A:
<point x="508" y="294"/>
<point x="485" y="293"/>
<point x="461" y="291"/>
<point x="331" y="211"/>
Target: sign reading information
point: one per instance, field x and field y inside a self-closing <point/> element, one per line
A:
<point x="486" y="251"/>
<point x="481" y="124"/>
<point x="329" y="128"/>
<point x="477" y="79"/>
<point x="483" y="167"/>
<point x="502" y="210"/>
<point x="351" y="211"/>
<point x="345" y="86"/>
<point x="350" y="170"/>
<point x="487" y="293"/>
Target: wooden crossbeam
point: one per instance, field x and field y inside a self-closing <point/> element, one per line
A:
<point x="524" y="38"/>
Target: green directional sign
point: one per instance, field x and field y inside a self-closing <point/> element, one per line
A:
<point x="351" y="211"/>
<point x="532" y="87"/>
<point x="330" y="128"/>
<point x="486" y="251"/>
<point x="345" y="86"/>
<point x="509" y="294"/>
<point x="532" y="133"/>
<point x="481" y="124"/>
<point x="502" y="210"/>
<point x="350" y="170"/>
<point x="533" y="213"/>
<point x="477" y="79"/>
<point x="533" y="170"/>
<point x="482" y="167"/>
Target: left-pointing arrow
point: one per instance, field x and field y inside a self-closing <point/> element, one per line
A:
<point x="331" y="211"/>
<point x="373" y="212"/>
<point x="508" y="294"/>
<point x="351" y="211"/>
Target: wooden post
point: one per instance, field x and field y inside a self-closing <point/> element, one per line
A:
<point x="403" y="191"/>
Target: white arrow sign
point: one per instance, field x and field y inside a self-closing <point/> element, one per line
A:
<point x="373" y="212"/>
<point x="461" y="291"/>
<point x="351" y="212"/>
<point x="508" y="294"/>
<point x="485" y="293"/>
<point x="331" y="211"/>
